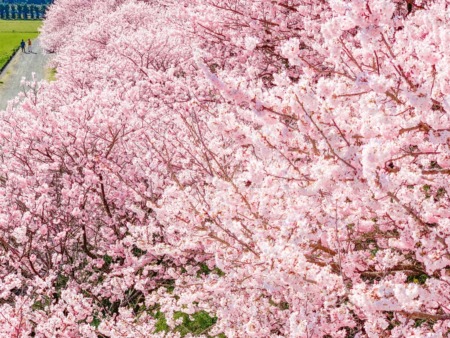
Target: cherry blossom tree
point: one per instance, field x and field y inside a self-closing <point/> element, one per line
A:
<point x="231" y="168"/>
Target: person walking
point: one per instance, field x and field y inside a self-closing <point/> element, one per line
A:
<point x="29" y="46"/>
<point x="22" y="46"/>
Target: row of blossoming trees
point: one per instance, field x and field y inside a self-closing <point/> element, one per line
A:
<point x="272" y="168"/>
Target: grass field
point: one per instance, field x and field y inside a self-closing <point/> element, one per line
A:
<point x="12" y="32"/>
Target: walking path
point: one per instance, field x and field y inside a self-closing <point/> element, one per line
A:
<point x="22" y="65"/>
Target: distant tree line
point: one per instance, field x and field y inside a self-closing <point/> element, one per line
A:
<point x="29" y="2"/>
<point x="22" y="11"/>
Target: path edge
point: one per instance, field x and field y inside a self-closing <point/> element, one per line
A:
<point x="9" y="60"/>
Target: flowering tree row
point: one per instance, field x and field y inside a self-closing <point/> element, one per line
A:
<point x="231" y="168"/>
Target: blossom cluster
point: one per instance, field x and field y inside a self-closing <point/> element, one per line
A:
<point x="273" y="168"/>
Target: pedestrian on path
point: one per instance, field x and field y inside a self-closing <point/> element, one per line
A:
<point x="22" y="46"/>
<point x="29" y="46"/>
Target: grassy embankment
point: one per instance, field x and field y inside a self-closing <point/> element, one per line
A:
<point x="12" y="32"/>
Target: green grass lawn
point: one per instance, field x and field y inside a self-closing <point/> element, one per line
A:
<point x="12" y="32"/>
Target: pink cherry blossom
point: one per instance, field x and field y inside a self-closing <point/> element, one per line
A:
<point x="280" y="165"/>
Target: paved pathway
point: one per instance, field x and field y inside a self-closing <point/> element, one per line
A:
<point x="22" y="65"/>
